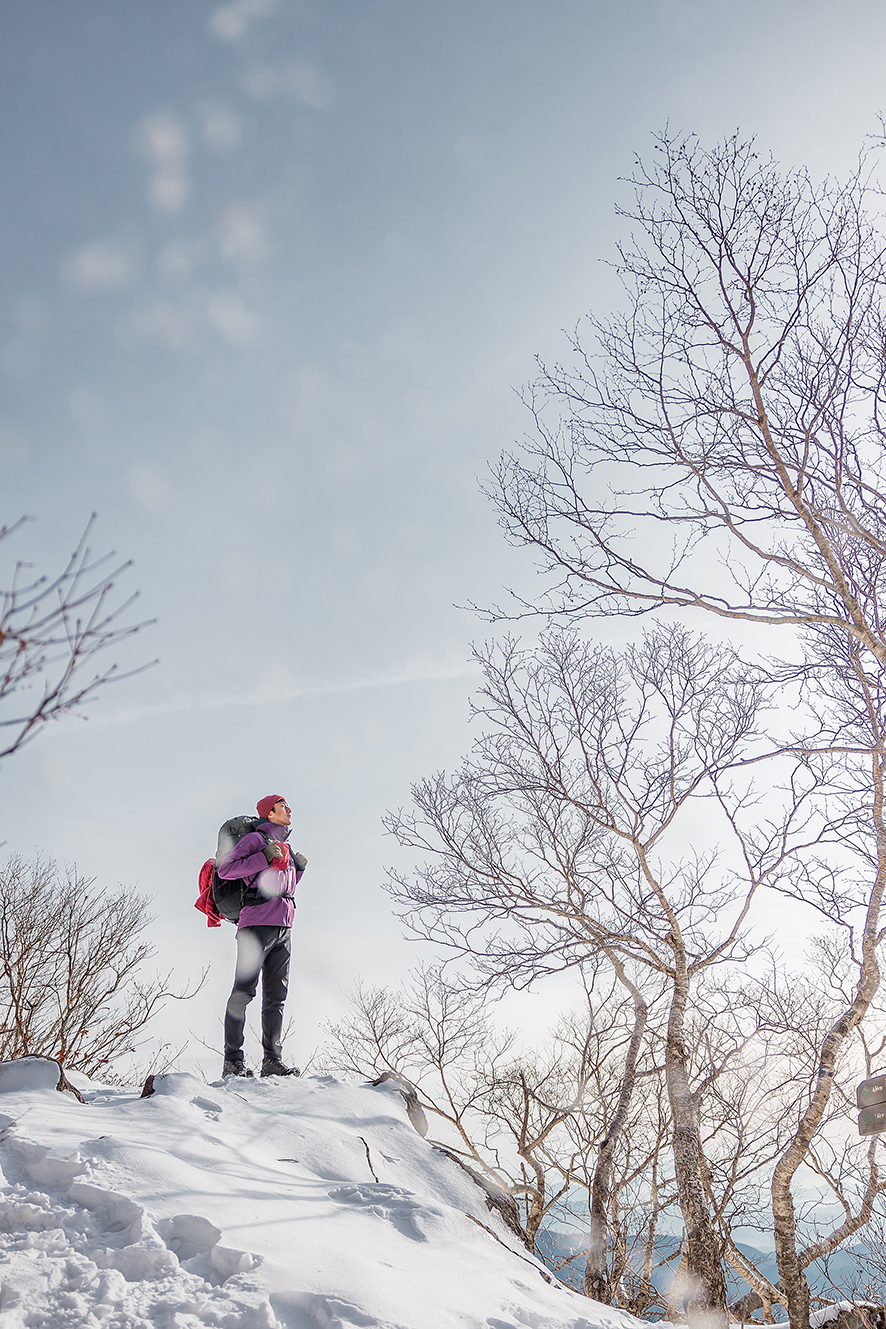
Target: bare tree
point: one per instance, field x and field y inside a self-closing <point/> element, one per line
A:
<point x="549" y="846"/>
<point x="71" y="957"/>
<point x="871" y="1255"/>
<point x="51" y="630"/>
<point x="539" y="1125"/>
<point x="752" y="1110"/>
<point x="438" y="1037"/>
<point x="615" y="1143"/>
<point x="720" y="448"/>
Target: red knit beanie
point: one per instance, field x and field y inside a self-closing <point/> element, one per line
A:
<point x="265" y="805"/>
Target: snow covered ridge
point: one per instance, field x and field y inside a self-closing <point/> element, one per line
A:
<point x="250" y="1204"/>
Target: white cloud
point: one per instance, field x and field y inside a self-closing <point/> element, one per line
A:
<point x="168" y="190"/>
<point x="164" y="141"/>
<point x="177" y="259"/>
<point x="230" y="22"/>
<point x="181" y="322"/>
<point x="172" y="324"/>
<point x="241" y="234"/>
<point x="305" y="83"/>
<point x="229" y="315"/>
<point x="222" y="129"/>
<point x="308" y="85"/>
<point x="103" y="265"/>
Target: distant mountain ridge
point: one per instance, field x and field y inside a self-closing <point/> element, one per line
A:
<point x="556" y="1244"/>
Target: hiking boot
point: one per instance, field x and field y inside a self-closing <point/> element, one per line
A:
<point x="236" y="1066"/>
<point x="273" y="1066"/>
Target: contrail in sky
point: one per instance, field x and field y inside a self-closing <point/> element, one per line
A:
<point x="266" y="697"/>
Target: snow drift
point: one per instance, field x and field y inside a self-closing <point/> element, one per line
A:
<point x="251" y="1204"/>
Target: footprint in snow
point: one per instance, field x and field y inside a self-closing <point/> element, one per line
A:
<point x="393" y="1203"/>
<point x="324" y="1311"/>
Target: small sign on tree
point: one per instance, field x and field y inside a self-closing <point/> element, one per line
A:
<point x="871" y="1098"/>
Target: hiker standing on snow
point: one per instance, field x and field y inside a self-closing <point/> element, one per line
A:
<point x="263" y="859"/>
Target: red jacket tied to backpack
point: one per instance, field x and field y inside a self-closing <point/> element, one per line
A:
<point x="205" y="901"/>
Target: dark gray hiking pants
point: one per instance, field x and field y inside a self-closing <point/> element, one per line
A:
<point x="260" y="950"/>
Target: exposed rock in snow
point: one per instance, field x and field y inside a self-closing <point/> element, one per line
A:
<point x="409" y="1094"/>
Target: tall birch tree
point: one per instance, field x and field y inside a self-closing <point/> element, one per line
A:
<point x="718" y="447"/>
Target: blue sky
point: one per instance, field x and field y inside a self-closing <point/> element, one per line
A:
<point x="270" y="275"/>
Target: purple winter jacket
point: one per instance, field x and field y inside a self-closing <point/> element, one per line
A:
<point x="247" y="859"/>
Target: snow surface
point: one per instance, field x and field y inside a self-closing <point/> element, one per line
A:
<point x="250" y="1204"/>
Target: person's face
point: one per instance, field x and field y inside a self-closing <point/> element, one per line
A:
<point x="281" y="813"/>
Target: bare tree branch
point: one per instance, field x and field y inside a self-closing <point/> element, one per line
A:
<point x="719" y="447"/>
<point x="51" y="630"/>
<point x="71" y="957"/>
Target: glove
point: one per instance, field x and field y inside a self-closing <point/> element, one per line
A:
<point x="300" y="861"/>
<point x="280" y="859"/>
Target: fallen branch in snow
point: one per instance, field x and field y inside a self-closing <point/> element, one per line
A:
<point x="496" y="1237"/>
<point x="497" y="1199"/>
<point x="368" y="1158"/>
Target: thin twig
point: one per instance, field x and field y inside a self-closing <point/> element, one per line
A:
<point x="368" y="1158"/>
<point x="497" y="1238"/>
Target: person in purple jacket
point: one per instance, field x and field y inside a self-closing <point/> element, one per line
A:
<point x="263" y="859"/>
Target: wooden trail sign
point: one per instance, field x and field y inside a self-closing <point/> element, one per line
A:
<point x="871" y="1098"/>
